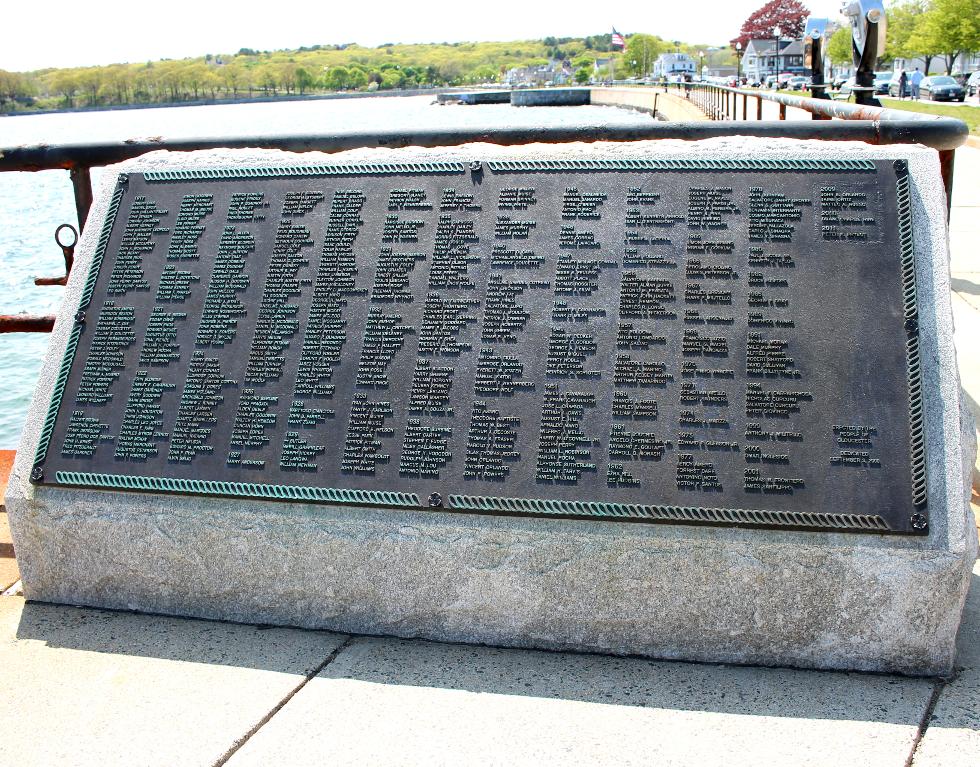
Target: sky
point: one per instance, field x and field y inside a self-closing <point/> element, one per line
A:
<point x="63" y="33"/>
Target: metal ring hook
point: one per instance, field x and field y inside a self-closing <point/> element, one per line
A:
<point x="68" y="251"/>
<point x="63" y="245"/>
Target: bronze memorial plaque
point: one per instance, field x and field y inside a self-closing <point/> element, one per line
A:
<point x="712" y="341"/>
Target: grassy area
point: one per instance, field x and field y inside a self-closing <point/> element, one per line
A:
<point x="969" y="115"/>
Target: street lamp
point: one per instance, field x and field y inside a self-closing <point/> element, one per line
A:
<point x="778" y="32"/>
<point x="701" y="54"/>
<point x="738" y="63"/>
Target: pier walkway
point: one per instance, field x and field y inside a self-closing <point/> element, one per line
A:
<point x="92" y="687"/>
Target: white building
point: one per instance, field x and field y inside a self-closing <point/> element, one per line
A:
<point x="760" y="59"/>
<point x="668" y="64"/>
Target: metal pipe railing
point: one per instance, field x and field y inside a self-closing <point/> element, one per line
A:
<point x="904" y="127"/>
<point x="893" y="126"/>
<point x="833" y="121"/>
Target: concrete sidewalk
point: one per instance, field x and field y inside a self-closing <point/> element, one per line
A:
<point x="964" y="243"/>
<point x="90" y="687"/>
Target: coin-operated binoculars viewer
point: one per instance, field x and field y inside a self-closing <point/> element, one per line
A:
<point x="813" y="45"/>
<point x="868" y="24"/>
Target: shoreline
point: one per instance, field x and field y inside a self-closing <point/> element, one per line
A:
<point x="337" y="95"/>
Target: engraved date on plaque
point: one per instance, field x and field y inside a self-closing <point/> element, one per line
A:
<point x="618" y="341"/>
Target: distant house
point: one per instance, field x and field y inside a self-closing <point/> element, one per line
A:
<point x="722" y="70"/>
<point x="602" y="69"/>
<point x="760" y="59"/>
<point x="555" y="72"/>
<point x="668" y="64"/>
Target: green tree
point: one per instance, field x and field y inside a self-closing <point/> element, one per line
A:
<point x="211" y="83"/>
<point x="641" y="52"/>
<point x="143" y="83"/>
<point x="903" y="22"/>
<point x="583" y="75"/>
<point x="65" y="83"/>
<point x="450" y="72"/>
<point x="356" y="78"/>
<point x="267" y="79"/>
<point x="839" y="46"/>
<point x="952" y="27"/>
<point x="286" y="75"/>
<point x="90" y="82"/>
<point x="482" y="74"/>
<point x="391" y="78"/>
<point x="117" y="82"/>
<point x="195" y="76"/>
<point x="304" y="80"/>
<point x="336" y="78"/>
<point x="923" y="42"/>
<point x="170" y="76"/>
<point x="13" y="86"/>
<point x="232" y="75"/>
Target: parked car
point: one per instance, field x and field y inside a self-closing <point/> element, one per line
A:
<point x="798" y="83"/>
<point x="973" y="84"/>
<point x="942" y="88"/>
<point x="882" y="81"/>
<point x="784" y="79"/>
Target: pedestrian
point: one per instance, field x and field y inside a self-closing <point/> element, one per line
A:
<point x="914" y="80"/>
<point x="903" y="82"/>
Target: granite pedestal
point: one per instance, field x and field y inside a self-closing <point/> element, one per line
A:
<point x="774" y="597"/>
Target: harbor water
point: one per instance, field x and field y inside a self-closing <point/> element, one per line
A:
<point x="32" y="205"/>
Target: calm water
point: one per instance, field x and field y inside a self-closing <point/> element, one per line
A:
<point x="32" y="205"/>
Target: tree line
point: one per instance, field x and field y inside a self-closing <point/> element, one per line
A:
<point x="317" y="69"/>
<point x="251" y="73"/>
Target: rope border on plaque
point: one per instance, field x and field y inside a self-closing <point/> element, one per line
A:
<point x="76" y="331"/>
<point x="520" y="166"/>
<point x="370" y="169"/>
<point x="911" y="318"/>
<point x="238" y="489"/>
<point x="667" y="513"/>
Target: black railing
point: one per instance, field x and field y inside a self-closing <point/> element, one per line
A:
<point x="833" y="121"/>
<point x="880" y="125"/>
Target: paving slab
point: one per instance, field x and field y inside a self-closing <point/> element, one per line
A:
<point x="90" y="687"/>
<point x="964" y="226"/>
<point x="966" y="324"/>
<point x="397" y="702"/>
<point x="952" y="738"/>
<point x="9" y="574"/>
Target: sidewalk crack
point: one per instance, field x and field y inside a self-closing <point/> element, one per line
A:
<point x="937" y="691"/>
<point x="279" y="706"/>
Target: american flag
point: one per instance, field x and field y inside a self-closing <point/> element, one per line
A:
<point x="617" y="39"/>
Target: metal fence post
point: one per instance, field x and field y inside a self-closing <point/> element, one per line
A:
<point x="946" y="160"/>
<point x="81" y="182"/>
